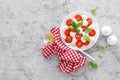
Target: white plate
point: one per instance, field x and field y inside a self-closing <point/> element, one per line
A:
<point x="95" y="26"/>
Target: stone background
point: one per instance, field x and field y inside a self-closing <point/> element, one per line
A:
<point x="23" y="24"/>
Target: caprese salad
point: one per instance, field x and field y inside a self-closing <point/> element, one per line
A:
<point x="79" y="31"/>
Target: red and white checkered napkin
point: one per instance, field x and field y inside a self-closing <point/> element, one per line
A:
<point x="70" y="60"/>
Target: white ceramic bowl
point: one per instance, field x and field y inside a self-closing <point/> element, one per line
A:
<point x="95" y="26"/>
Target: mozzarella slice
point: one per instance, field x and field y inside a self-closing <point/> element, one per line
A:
<point x="73" y="41"/>
<point x="85" y="23"/>
<point x="83" y="40"/>
<point x="72" y="34"/>
<point x="85" y="34"/>
<point x="81" y="31"/>
<point x="75" y="20"/>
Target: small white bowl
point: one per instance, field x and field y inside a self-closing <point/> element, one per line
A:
<point x="95" y="26"/>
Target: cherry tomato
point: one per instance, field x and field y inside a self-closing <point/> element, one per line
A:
<point x="69" y="22"/>
<point x="73" y="30"/>
<point x="84" y="28"/>
<point x="78" y="17"/>
<point x="78" y="36"/>
<point x="92" y="33"/>
<point x="68" y="39"/>
<point x="86" y="43"/>
<point x="79" y="44"/>
<point x="89" y="21"/>
<point x="67" y="32"/>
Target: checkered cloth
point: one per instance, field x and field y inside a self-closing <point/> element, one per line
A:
<point x="70" y="60"/>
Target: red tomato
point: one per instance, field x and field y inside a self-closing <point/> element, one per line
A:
<point x="89" y="21"/>
<point x="84" y="28"/>
<point x="78" y="36"/>
<point x="78" y="17"/>
<point x="68" y="39"/>
<point x="92" y="33"/>
<point x="73" y="30"/>
<point x="69" y="22"/>
<point x="86" y="43"/>
<point x="67" y="32"/>
<point x="79" y="44"/>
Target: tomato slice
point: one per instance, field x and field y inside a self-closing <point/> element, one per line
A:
<point x="78" y="17"/>
<point x="79" y="44"/>
<point x="86" y="43"/>
<point x="67" y="32"/>
<point x="84" y="28"/>
<point x="68" y="39"/>
<point x="89" y="21"/>
<point x="78" y="36"/>
<point x="69" y="22"/>
<point x="92" y="33"/>
<point x="73" y="30"/>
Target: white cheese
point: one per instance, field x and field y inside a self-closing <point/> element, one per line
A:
<point x="85" y="34"/>
<point x="83" y="40"/>
<point x="106" y="30"/>
<point x="85" y="23"/>
<point x="72" y="34"/>
<point x="81" y="31"/>
<point x="75" y="20"/>
<point x="112" y="40"/>
<point x="74" y="41"/>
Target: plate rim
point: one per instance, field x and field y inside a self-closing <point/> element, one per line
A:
<point x="76" y="12"/>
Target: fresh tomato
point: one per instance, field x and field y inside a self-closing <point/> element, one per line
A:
<point x="79" y="44"/>
<point x="78" y="36"/>
<point x="69" y="22"/>
<point x="73" y="30"/>
<point x="78" y="17"/>
<point x="84" y="28"/>
<point x="86" y="43"/>
<point x="92" y="33"/>
<point x="89" y="21"/>
<point x="68" y="39"/>
<point x="67" y="32"/>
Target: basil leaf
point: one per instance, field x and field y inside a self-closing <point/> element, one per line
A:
<point x="86" y="38"/>
<point x="89" y="64"/>
<point x="80" y="23"/>
<point x="74" y="24"/>
<point x="71" y="27"/>
<point x="93" y="11"/>
<point x="88" y="30"/>
<point x="101" y="48"/>
<point x="77" y="30"/>
<point x="92" y="65"/>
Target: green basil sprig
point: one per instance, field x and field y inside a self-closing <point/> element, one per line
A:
<point x="92" y="65"/>
<point x="88" y="30"/>
<point x="86" y="38"/>
<point x="74" y="24"/>
<point x="80" y="23"/>
<point x="93" y="11"/>
<point x="101" y="48"/>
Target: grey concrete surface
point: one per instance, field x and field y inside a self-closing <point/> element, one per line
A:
<point x="23" y="24"/>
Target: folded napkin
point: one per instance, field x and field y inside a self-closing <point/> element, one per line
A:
<point x="69" y="60"/>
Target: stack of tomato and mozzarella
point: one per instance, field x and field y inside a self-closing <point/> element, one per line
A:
<point x="78" y="30"/>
